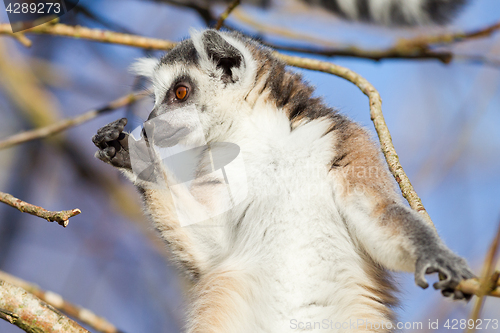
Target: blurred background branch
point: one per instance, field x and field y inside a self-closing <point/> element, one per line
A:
<point x="61" y="217"/>
<point x="29" y="313"/>
<point x="85" y="316"/>
<point x="65" y="124"/>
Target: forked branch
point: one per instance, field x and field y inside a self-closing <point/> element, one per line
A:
<point x="61" y="217"/>
<point x="29" y="313"/>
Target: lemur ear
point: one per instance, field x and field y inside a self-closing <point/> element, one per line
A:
<point x="220" y="54"/>
<point x="144" y="67"/>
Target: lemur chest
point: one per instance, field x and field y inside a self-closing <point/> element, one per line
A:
<point x="291" y="223"/>
<point x="290" y="203"/>
<point x="293" y="169"/>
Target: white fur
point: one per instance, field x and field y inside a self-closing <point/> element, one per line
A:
<point x="144" y="67"/>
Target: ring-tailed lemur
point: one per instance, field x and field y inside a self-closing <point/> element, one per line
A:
<point x="303" y="229"/>
<point x="387" y="12"/>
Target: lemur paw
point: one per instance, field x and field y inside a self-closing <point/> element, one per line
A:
<point x="451" y="268"/>
<point x="113" y="144"/>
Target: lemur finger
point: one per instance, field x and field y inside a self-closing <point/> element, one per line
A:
<point x="109" y="152"/>
<point x="467" y="297"/>
<point x="100" y="154"/>
<point x="431" y="269"/>
<point x="98" y="142"/>
<point x="420" y="277"/>
<point x="122" y="161"/>
<point x="458" y="295"/>
<point x="117" y="125"/>
<point x="109" y="132"/>
<point x="450" y="282"/>
<point x="102" y="139"/>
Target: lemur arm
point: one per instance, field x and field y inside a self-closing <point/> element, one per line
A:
<point x="394" y="235"/>
<point x="159" y="202"/>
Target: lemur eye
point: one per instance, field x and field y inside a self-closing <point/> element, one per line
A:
<point x="181" y="92"/>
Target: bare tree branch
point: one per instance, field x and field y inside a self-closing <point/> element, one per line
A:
<point x="65" y="124"/>
<point x="488" y="281"/>
<point x="473" y="286"/>
<point x="85" y="316"/>
<point x="60" y="217"/>
<point x="29" y="313"/>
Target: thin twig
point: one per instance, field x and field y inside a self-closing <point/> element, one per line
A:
<point x="85" y="316"/>
<point x="60" y="217"/>
<point x="226" y="14"/>
<point x="29" y="313"/>
<point x="63" y="125"/>
<point x="488" y="281"/>
<point x="97" y="35"/>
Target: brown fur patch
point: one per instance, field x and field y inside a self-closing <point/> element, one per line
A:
<point x="358" y="164"/>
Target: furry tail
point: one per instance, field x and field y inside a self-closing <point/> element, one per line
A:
<point x="394" y="12"/>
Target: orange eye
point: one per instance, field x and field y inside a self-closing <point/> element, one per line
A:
<point x="181" y="92"/>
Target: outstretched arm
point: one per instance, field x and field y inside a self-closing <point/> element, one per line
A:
<point x="390" y="232"/>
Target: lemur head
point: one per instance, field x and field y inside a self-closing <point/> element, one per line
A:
<point x="206" y="77"/>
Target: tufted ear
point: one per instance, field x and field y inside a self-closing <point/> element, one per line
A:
<point x="221" y="54"/>
<point x="144" y="67"/>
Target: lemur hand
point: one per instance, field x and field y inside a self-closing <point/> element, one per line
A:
<point x="451" y="268"/>
<point x="113" y="144"/>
